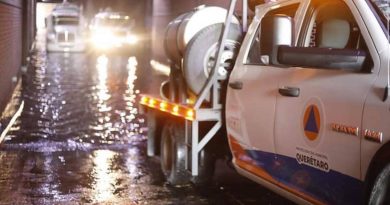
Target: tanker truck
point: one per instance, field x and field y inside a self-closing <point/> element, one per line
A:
<point x="299" y="100"/>
<point x="65" y="28"/>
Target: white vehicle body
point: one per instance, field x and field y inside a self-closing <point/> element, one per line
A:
<point x="307" y="104"/>
<point x="65" y="29"/>
<point x="316" y="147"/>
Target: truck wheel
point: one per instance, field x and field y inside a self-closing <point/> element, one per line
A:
<point x="173" y="154"/>
<point x="154" y="124"/>
<point x="201" y="54"/>
<point x="380" y="193"/>
<point x="173" y="158"/>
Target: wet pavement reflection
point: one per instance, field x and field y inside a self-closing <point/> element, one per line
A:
<point x="81" y="140"/>
<point x="78" y="99"/>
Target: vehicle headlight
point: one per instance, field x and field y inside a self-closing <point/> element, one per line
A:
<point x="103" y="39"/>
<point x="132" y="39"/>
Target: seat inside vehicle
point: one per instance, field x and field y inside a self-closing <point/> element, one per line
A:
<point x="333" y="33"/>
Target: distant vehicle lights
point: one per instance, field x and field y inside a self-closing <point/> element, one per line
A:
<point x="111" y="30"/>
<point x="107" y="39"/>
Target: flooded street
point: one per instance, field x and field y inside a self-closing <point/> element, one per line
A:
<point x="81" y="140"/>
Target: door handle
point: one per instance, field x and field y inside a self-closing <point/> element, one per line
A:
<point x="236" y="85"/>
<point x="289" y="91"/>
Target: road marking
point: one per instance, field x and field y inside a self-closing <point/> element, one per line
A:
<point x="11" y="122"/>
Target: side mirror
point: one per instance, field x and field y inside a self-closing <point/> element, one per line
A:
<point x="275" y="31"/>
<point x="328" y="58"/>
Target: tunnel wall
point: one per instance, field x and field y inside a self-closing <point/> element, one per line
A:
<point x="29" y="27"/>
<point x="16" y="37"/>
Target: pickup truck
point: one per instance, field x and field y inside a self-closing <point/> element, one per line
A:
<point x="304" y="103"/>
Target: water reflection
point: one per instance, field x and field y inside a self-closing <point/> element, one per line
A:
<point x="130" y="96"/>
<point x="104" y="181"/>
<point x="101" y="66"/>
<point x="78" y="100"/>
<point x="80" y="117"/>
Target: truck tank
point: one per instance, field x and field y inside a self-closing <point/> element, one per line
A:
<point x="183" y="30"/>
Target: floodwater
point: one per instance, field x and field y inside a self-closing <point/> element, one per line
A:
<point x="80" y="139"/>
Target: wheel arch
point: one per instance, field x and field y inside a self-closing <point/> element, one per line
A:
<point x="378" y="162"/>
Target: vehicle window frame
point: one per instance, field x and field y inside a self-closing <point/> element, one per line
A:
<point x="253" y="42"/>
<point x="380" y="17"/>
<point x="70" y="21"/>
<point x="306" y="32"/>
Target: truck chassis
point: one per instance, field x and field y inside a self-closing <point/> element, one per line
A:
<point x="195" y="113"/>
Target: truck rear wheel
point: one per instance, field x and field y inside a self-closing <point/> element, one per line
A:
<point x="173" y="157"/>
<point x="380" y="193"/>
<point x="201" y="54"/>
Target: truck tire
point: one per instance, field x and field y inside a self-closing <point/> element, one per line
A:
<point x="155" y="125"/>
<point x="173" y="158"/>
<point x="202" y="50"/>
<point x="173" y="155"/>
<point x="380" y="193"/>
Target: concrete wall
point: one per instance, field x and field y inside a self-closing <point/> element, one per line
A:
<point x="14" y="41"/>
<point x="28" y="27"/>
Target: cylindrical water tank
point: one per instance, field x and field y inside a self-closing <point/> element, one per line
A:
<point x="180" y="31"/>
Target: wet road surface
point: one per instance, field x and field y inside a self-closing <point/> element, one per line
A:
<point x="81" y="140"/>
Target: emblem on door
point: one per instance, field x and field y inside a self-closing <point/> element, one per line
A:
<point x="312" y="122"/>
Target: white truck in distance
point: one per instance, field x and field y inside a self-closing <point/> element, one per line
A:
<point x="65" y="27"/>
<point x="301" y="103"/>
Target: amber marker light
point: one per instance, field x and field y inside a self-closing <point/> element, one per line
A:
<point x="144" y="100"/>
<point x="175" y="110"/>
<point x="163" y="106"/>
<point x="152" y="102"/>
<point x="190" y="114"/>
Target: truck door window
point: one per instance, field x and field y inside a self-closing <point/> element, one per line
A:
<point x="254" y="56"/>
<point x="66" y="20"/>
<point x="332" y="25"/>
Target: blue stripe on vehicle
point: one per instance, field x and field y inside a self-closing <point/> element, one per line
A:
<point x="330" y="187"/>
